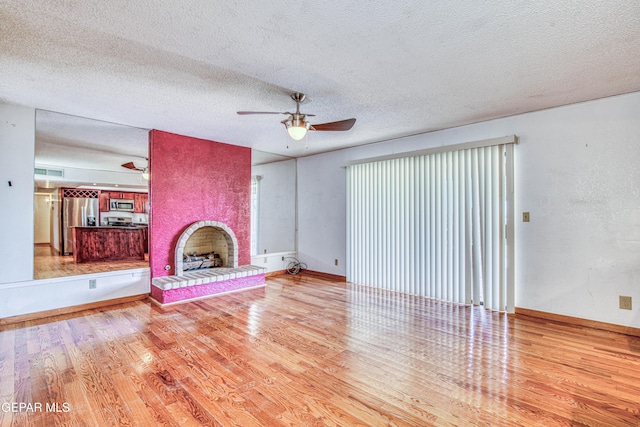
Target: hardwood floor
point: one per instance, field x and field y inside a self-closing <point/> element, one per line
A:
<point x="47" y="264"/>
<point x="307" y="352"/>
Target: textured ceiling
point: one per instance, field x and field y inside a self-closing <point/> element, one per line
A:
<point x="400" y="68"/>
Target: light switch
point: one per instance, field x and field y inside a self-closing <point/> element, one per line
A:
<point x="525" y="216"/>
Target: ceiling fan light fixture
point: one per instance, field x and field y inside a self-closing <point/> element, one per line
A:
<point x="297" y="128"/>
<point x="297" y="132"/>
<point x="297" y="125"/>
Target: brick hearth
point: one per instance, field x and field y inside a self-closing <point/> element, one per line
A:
<point x="208" y="282"/>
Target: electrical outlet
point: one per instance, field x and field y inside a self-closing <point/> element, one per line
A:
<point x="525" y="216"/>
<point x="92" y="283"/>
<point x="625" y="303"/>
<point x="283" y="258"/>
<point x="336" y="261"/>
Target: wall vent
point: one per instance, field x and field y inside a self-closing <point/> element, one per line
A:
<point x="49" y="172"/>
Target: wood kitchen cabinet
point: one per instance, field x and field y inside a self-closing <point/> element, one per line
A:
<point x="108" y="243"/>
<point x="103" y="201"/>
<point x="145" y="238"/>
<point x="121" y="195"/>
<point x="140" y="202"/>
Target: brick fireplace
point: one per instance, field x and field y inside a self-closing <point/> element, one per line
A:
<point x="199" y="188"/>
<point x="202" y="239"/>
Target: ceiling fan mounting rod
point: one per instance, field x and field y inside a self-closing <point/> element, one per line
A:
<point x="298" y="98"/>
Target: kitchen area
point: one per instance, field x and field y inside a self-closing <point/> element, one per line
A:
<point x="91" y="201"/>
<point x="90" y="230"/>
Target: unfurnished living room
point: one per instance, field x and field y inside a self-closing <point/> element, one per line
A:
<point x="292" y="213"/>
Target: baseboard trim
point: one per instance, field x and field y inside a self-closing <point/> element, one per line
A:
<point x="67" y="310"/>
<point x="325" y="276"/>
<point x="610" y="327"/>
<point x="275" y="273"/>
<point x="312" y="273"/>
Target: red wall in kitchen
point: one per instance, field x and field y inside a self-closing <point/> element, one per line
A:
<point x="192" y="180"/>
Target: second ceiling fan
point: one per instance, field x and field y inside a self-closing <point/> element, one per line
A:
<point x="297" y="124"/>
<point x="132" y="166"/>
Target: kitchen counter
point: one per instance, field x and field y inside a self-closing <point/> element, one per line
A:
<point x="108" y="243"/>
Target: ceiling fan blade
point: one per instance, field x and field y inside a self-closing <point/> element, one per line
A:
<point x="131" y="166"/>
<point x="335" y="126"/>
<point x="244" y="113"/>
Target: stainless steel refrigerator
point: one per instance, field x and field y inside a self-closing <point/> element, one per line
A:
<point x="77" y="212"/>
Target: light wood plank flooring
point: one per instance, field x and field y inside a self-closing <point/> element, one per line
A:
<point x="308" y="352"/>
<point x="47" y="264"/>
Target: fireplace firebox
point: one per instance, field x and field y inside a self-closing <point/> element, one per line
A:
<point x="206" y="244"/>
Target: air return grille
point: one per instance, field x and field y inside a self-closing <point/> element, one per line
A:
<point x="49" y="172"/>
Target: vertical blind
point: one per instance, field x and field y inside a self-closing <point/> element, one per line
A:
<point x="436" y="225"/>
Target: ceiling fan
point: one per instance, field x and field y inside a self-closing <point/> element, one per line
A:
<point x="132" y="166"/>
<point x="297" y="124"/>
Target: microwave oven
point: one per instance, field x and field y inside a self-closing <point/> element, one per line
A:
<point x="121" y="205"/>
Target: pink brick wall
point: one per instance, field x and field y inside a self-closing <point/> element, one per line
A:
<point x="191" y="180"/>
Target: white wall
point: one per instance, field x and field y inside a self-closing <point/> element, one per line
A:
<point x="56" y="214"/>
<point x="17" y="135"/>
<point x="19" y="293"/>
<point x="277" y="206"/>
<point x="577" y="170"/>
<point x="125" y="180"/>
<point x="42" y="218"/>
<point x="322" y="209"/>
<point x="49" y="294"/>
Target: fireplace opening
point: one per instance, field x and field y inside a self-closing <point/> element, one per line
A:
<point x="204" y="245"/>
<point x="206" y="248"/>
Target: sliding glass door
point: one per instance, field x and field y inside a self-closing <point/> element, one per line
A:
<point x="439" y="225"/>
